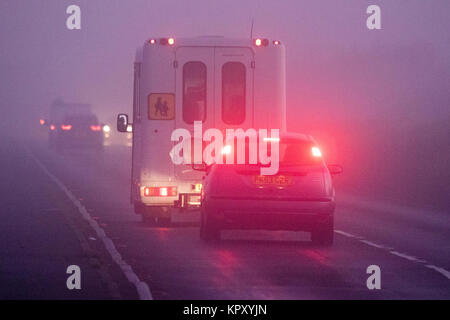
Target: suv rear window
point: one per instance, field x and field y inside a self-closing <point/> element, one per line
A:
<point x="297" y="152"/>
<point x="292" y="152"/>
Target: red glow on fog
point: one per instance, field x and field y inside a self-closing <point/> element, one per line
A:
<point x="226" y="262"/>
<point x="315" y="256"/>
<point x="316" y="152"/>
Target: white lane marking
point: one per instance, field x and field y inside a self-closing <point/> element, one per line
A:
<point x="391" y="250"/>
<point x="346" y="234"/>
<point x="442" y="271"/>
<point x="376" y="245"/>
<point x="141" y="287"/>
<point x="407" y="257"/>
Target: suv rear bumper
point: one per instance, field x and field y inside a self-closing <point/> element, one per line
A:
<point x="269" y="214"/>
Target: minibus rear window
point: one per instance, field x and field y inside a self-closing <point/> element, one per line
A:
<point x="194" y="92"/>
<point x="233" y="93"/>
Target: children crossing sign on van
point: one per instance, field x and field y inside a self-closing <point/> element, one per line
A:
<point x="161" y="106"/>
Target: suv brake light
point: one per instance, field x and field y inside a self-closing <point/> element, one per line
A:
<point x="316" y="152"/>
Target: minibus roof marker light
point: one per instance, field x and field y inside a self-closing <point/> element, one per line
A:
<point x="261" y="42"/>
<point x="167" y="41"/>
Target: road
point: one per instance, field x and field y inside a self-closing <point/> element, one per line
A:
<point x="73" y="209"/>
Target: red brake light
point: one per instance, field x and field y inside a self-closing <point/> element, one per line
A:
<point x="316" y="152"/>
<point x="163" y="192"/>
<point x="160" y="191"/>
<point x="226" y="149"/>
<point x="52" y="127"/>
<point x="276" y="42"/>
<point x="152" y="41"/>
<point x="66" y="127"/>
<point x="96" y="128"/>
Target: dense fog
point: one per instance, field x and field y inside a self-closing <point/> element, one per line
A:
<point x="378" y="101"/>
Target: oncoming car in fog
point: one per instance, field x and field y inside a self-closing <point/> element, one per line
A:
<point x="301" y="197"/>
<point x="75" y="131"/>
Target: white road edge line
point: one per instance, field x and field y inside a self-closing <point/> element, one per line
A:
<point x="373" y="244"/>
<point x="442" y="271"/>
<point x="348" y="235"/>
<point x="407" y="257"/>
<point x="391" y="250"/>
<point x="142" y="288"/>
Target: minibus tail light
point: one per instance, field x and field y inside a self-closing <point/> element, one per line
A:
<point x="160" y="191"/>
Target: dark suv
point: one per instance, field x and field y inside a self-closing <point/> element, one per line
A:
<point x="299" y="197"/>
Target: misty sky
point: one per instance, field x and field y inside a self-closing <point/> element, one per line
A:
<point x="336" y="67"/>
